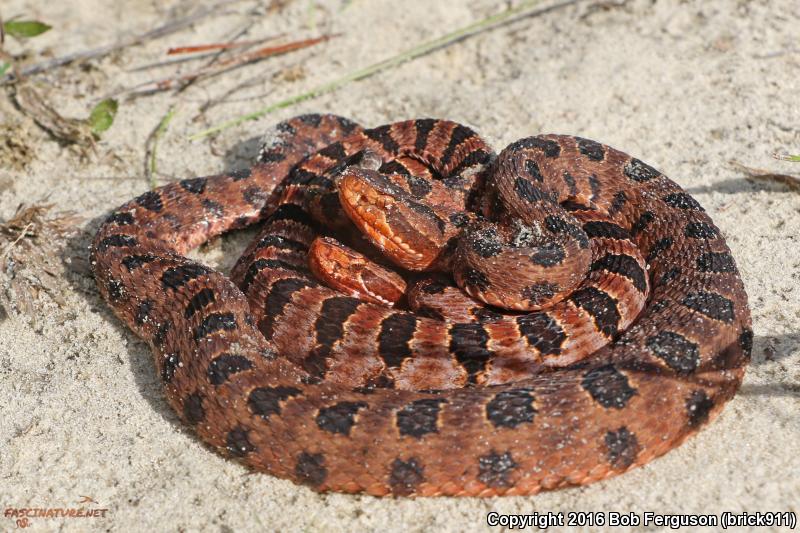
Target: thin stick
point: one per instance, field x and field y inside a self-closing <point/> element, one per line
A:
<point x="394" y="61"/>
<point x="152" y="147"/>
<point x="167" y="83"/>
<point x="161" y="31"/>
<point x="193" y="49"/>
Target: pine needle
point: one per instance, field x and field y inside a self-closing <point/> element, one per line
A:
<point x="365" y="72"/>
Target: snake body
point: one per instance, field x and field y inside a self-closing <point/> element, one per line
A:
<point x="506" y="374"/>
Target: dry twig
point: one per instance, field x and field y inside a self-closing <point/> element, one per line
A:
<point x="760" y="174"/>
<point x="193" y="49"/>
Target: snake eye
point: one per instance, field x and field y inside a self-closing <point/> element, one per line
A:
<point x="369" y="160"/>
<point x="366" y="159"/>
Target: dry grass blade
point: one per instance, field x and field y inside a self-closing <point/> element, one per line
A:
<point x="30" y="263"/>
<point x="760" y="174"/>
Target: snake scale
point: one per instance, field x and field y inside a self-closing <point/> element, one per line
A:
<point x="490" y="323"/>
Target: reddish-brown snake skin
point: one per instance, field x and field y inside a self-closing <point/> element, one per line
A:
<point x="460" y="398"/>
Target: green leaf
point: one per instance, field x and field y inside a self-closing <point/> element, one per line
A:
<point x="795" y="158"/>
<point x="25" y="28"/>
<point x="4" y="67"/>
<point x="102" y="116"/>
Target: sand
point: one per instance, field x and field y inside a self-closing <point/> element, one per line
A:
<point x="688" y="86"/>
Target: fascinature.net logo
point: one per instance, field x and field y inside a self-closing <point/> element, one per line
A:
<point x="85" y="508"/>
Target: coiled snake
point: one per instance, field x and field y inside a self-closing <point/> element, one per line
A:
<point x="493" y="324"/>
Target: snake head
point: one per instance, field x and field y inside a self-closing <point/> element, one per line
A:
<point x="350" y="272"/>
<point x="408" y="232"/>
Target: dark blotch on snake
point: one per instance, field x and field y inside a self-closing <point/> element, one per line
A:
<point x="701" y="230"/>
<point x="494" y="469"/>
<point x="678" y="352"/>
<point x="716" y="262"/>
<point x="698" y="407"/>
<point x="591" y="149"/>
<point x="468" y="342"/>
<point x="193" y="410"/>
<point x="640" y="171"/>
<point x="601" y="306"/>
<point x="622" y="447"/>
<point x="548" y="255"/>
<point x="405" y="476"/>
<point x="214" y="323"/>
<point x="240" y="174"/>
<point x="117" y="241"/>
<point x="176" y="277"/>
<point x="511" y="408"/>
<point x="133" y="262"/>
<point x="171" y="363"/>
<point x="310" y="468"/>
<point x="339" y="418"/>
<point x="608" y="386"/>
<point x="238" y="443"/>
<point x="542" y="332"/>
<point x="151" y="200"/>
<point x="194" y="185"/>
<point x="711" y="305"/>
<point x="396" y="332"/>
<point x="223" y="366"/>
<point x="623" y="265"/>
<point x="266" y="401"/>
<point x="681" y="200"/>
<point x="419" y="417"/>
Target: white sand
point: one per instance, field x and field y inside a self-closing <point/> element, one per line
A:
<point x="682" y="85"/>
